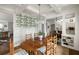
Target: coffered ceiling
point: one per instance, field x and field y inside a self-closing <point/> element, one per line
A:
<point x="46" y="10"/>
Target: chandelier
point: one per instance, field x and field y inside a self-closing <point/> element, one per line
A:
<point x="39" y="12"/>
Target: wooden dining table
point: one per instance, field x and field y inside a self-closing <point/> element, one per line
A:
<point x="33" y="45"/>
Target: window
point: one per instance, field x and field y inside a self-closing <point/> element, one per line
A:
<point x="1" y="26"/>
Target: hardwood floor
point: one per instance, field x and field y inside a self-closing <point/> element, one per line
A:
<point x="65" y="51"/>
<point x="60" y="50"/>
<point x="73" y="52"/>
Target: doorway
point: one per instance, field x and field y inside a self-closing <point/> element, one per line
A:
<point x="52" y="30"/>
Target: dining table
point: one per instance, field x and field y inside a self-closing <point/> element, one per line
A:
<point x="32" y="45"/>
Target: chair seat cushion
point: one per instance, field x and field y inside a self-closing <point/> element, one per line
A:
<point x="21" y="52"/>
<point x="42" y="49"/>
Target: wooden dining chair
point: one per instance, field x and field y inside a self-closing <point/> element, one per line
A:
<point x="51" y="44"/>
<point x="28" y="36"/>
<point x="36" y="36"/>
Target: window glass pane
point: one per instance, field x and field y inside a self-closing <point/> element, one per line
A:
<point x="1" y="26"/>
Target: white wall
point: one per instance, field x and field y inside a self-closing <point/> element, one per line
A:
<point x="77" y="32"/>
<point x="10" y="27"/>
<point x="20" y="32"/>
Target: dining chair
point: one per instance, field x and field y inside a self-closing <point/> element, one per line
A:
<point x="28" y="36"/>
<point x="21" y="52"/>
<point x="42" y="50"/>
<point x="36" y="36"/>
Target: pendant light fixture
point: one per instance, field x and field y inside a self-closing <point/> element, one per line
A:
<point x="41" y="36"/>
<point x="39" y="12"/>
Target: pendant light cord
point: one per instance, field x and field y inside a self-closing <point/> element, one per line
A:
<point x="39" y="11"/>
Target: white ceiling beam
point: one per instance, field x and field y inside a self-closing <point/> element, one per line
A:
<point x="54" y="7"/>
<point x="35" y="10"/>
